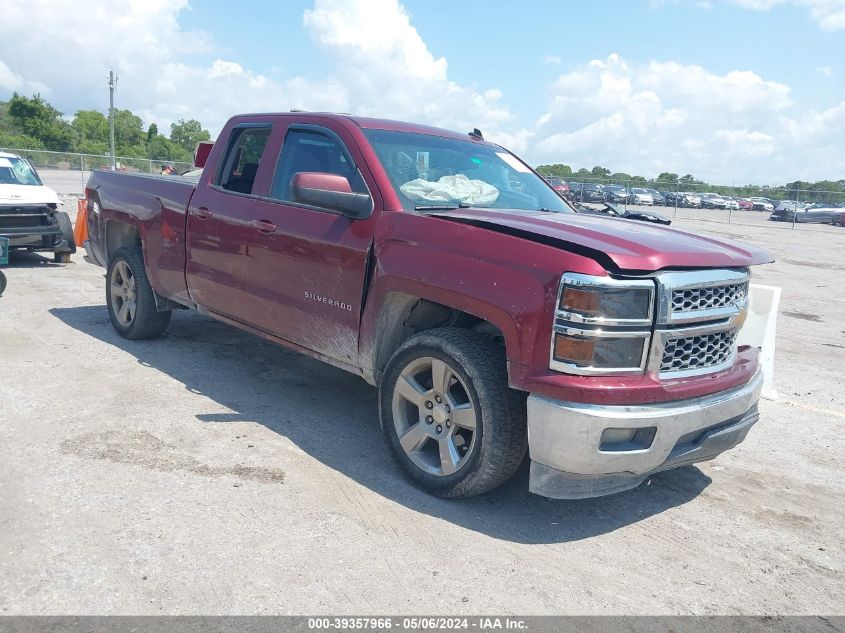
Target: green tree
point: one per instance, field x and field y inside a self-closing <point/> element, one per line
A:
<point x="152" y="132"/>
<point x="558" y="170"/>
<point x="599" y="172"/>
<point x="36" y="118"/>
<point x="129" y="135"/>
<point x="188" y="133"/>
<point x="162" y="148"/>
<point x="11" y="140"/>
<point x="91" y="128"/>
<point x="667" y="177"/>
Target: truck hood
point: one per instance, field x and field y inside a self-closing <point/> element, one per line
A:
<point x="615" y="243"/>
<point x="27" y="194"/>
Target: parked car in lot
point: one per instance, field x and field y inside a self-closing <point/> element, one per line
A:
<point x="762" y="204"/>
<point x="691" y="200"/>
<point x="588" y="192"/>
<point x="29" y="212"/>
<point x="713" y="201"/>
<point x="790" y="205"/>
<point x="493" y="321"/>
<point x="819" y="213"/>
<point x="658" y="199"/>
<point x="615" y="193"/>
<point x="560" y="186"/>
<point x="640" y="196"/>
<point x="744" y="204"/>
<point x="731" y="204"/>
<point x="614" y="211"/>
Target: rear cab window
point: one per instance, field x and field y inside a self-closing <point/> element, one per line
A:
<point x="240" y="164"/>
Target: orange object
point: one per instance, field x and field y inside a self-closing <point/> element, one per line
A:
<point x="80" y="229"/>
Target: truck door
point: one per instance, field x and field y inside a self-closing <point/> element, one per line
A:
<point x="219" y="220"/>
<point x="306" y="264"/>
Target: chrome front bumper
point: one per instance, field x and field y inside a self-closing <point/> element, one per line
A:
<point x="579" y="450"/>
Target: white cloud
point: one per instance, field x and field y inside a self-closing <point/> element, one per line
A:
<point x="667" y="116"/>
<point x="70" y="53"/>
<point x="551" y="59"/>
<point x="389" y="71"/>
<point x="383" y="68"/>
<point x="825" y="71"/>
<point x="636" y="117"/>
<point x="830" y="14"/>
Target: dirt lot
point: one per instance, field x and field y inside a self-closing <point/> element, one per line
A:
<point x="211" y="472"/>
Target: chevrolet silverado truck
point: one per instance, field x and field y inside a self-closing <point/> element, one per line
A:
<point x="443" y="270"/>
<point x="29" y="212"/>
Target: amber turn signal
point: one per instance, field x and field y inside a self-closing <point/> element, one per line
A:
<point x="580" y="300"/>
<point x="574" y="350"/>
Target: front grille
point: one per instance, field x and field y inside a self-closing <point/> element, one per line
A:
<point x="698" y="299"/>
<point x="20" y="221"/>
<point x="698" y="353"/>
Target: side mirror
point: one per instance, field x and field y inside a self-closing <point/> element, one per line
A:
<point x="330" y="191"/>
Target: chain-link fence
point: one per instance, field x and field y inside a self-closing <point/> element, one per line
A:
<point x="44" y="159"/>
<point x="67" y="172"/>
<point x="712" y="203"/>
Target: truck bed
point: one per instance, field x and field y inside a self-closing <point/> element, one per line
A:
<point x="154" y="204"/>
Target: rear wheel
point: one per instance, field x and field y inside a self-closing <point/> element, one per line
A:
<point x="130" y="299"/>
<point x="448" y="416"/>
<point x="2" y="282"/>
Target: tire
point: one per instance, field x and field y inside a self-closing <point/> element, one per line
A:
<point x="129" y="297"/>
<point x="63" y="256"/>
<point x="477" y="422"/>
<point x="2" y="282"/>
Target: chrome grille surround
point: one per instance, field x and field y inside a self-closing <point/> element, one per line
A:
<point x="697" y="318"/>
<point x="693" y="352"/>
<point x="698" y="299"/>
<point x="701" y="295"/>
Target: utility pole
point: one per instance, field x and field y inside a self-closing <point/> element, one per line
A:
<point x="112" y="85"/>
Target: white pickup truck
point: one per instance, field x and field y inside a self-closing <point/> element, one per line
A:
<point x="29" y="212"/>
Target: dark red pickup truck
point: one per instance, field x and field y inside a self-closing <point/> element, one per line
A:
<point x="442" y="269"/>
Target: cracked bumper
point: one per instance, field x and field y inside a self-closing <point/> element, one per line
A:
<point x="580" y="450"/>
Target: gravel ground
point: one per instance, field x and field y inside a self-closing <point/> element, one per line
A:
<point x="211" y="472"/>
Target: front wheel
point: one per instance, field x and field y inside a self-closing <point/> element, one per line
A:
<point x="130" y="299"/>
<point x="448" y="416"/>
<point x="63" y="256"/>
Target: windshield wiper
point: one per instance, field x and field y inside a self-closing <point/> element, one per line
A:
<point x="442" y="207"/>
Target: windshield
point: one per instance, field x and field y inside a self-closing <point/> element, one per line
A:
<point x="17" y="171"/>
<point x="435" y="172"/>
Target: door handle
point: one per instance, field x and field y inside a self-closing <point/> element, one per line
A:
<point x="265" y="226"/>
<point x="201" y="213"/>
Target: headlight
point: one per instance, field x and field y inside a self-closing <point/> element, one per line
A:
<point x="602" y="325"/>
<point x="605" y="301"/>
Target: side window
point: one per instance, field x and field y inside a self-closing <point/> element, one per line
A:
<point x="241" y="161"/>
<point x="309" y="151"/>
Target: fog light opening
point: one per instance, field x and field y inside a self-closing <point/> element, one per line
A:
<point x="617" y="440"/>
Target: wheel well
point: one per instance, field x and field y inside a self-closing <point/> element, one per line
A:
<point x="403" y="316"/>
<point x="120" y="234"/>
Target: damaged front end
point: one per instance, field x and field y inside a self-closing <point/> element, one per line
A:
<point x="33" y="227"/>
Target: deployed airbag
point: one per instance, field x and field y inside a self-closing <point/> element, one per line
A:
<point x="449" y="189"/>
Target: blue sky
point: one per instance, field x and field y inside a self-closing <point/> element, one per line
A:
<point x="744" y="90"/>
<point x="501" y="44"/>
